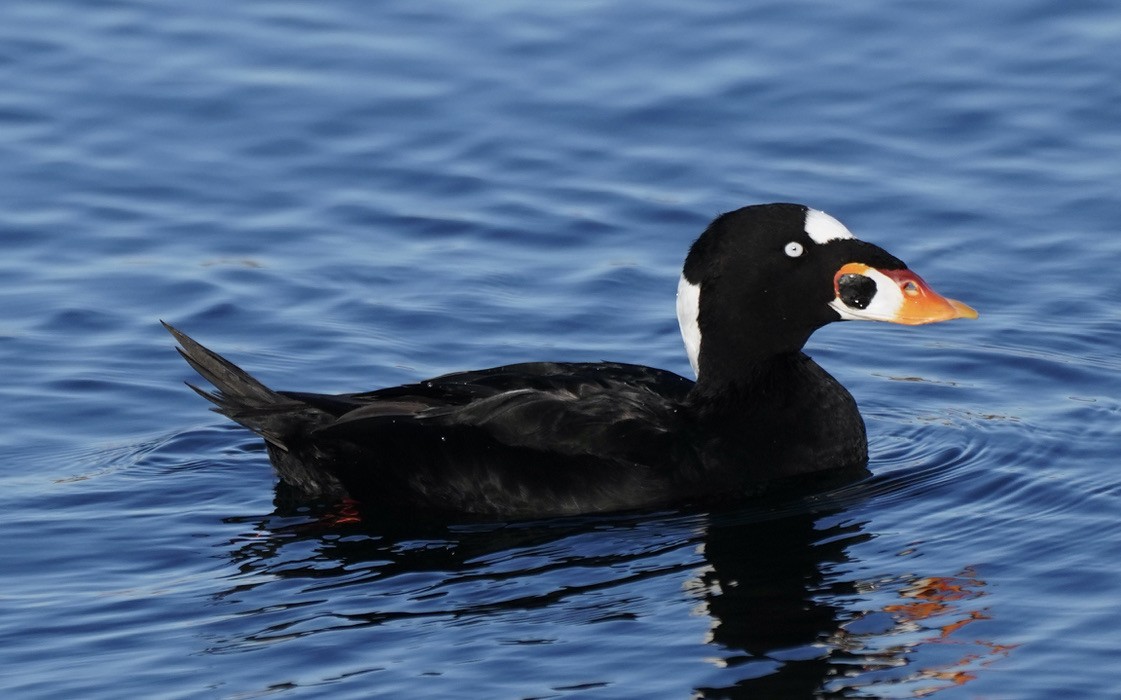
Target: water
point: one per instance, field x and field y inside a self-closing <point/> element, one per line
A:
<point x="349" y="195"/>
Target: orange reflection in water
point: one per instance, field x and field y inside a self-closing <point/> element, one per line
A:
<point x="934" y="611"/>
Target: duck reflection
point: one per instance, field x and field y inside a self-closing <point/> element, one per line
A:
<point x="792" y="620"/>
<point x="773" y="601"/>
<point x="787" y="611"/>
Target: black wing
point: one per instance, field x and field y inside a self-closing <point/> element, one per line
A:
<point x="558" y="437"/>
<point x="571" y="408"/>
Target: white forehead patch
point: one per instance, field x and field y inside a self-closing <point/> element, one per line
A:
<point x="823" y="228"/>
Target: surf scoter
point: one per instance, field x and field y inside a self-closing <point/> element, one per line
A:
<point x="552" y="438"/>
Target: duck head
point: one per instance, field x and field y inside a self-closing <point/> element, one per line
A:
<point x="760" y="280"/>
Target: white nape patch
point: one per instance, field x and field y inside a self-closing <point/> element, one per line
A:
<point x="884" y="306"/>
<point x="688" y="311"/>
<point x="823" y="228"/>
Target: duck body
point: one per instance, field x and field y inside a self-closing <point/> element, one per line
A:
<point x="543" y="438"/>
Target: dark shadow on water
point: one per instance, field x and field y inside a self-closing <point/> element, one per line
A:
<point x="769" y="598"/>
<point x="787" y="617"/>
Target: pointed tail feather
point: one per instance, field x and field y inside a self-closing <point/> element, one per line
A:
<point x="239" y="396"/>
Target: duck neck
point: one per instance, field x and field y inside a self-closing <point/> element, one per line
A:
<point x="782" y="416"/>
<point x="739" y="346"/>
<point x="727" y="382"/>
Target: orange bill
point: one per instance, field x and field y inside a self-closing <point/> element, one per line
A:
<point x="914" y="303"/>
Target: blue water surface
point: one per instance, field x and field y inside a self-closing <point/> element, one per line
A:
<point x="345" y="195"/>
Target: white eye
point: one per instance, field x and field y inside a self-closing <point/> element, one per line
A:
<point x="794" y="249"/>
